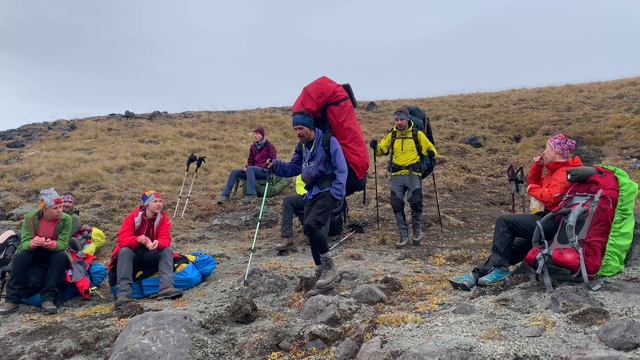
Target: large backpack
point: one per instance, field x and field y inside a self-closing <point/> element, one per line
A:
<point x="576" y="250"/>
<point x="420" y="123"/>
<point x="9" y="242"/>
<point x="333" y="108"/>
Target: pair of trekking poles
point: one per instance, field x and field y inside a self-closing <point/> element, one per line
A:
<point x="192" y="159"/>
<point x="516" y="179"/>
<point x="375" y="180"/>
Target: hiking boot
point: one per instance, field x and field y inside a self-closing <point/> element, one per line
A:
<point x="223" y="199"/>
<point x="496" y="276"/>
<point x="315" y="291"/>
<point x="284" y="243"/>
<point x="464" y="282"/>
<point x="402" y="242"/>
<point x="170" y="293"/>
<point x="49" y="307"/>
<point x="328" y="275"/>
<point x="121" y="300"/>
<point x="318" y="271"/>
<point x="248" y="198"/>
<point x="417" y="237"/>
<point x="7" y="308"/>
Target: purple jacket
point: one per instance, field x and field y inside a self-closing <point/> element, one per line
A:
<point x="258" y="157"/>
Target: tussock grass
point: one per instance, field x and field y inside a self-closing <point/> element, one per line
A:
<point x="107" y="163"/>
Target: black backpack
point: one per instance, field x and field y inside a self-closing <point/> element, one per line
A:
<point x="9" y="242"/>
<point x="421" y="123"/>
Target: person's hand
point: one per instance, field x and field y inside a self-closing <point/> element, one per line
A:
<point x="244" y="168"/>
<point x="144" y="240"/>
<point x="269" y="164"/>
<point x="36" y="241"/>
<point x="539" y="160"/>
<point x="431" y="154"/>
<point x="50" y="244"/>
<point x="373" y="144"/>
<point x="152" y="245"/>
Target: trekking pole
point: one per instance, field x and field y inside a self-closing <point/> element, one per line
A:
<point x="433" y="175"/>
<point x="375" y="180"/>
<point x="253" y="246"/>
<point x="511" y="174"/>
<point x="198" y="163"/>
<point x="520" y="185"/>
<point x="192" y="158"/>
<point x="355" y="229"/>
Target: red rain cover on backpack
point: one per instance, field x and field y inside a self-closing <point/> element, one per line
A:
<point x="341" y="116"/>
<point x="594" y="242"/>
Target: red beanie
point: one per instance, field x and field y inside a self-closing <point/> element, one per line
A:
<point x="260" y="131"/>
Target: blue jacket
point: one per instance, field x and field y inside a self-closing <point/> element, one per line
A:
<point x="310" y="161"/>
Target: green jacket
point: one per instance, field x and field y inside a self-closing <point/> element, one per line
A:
<point x="61" y="232"/>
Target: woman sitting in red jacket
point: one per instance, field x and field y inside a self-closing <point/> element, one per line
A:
<point x="548" y="190"/>
<point x="144" y="241"/>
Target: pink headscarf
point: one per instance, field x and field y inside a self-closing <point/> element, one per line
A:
<point x="562" y="145"/>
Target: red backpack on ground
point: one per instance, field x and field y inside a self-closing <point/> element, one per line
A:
<point x="576" y="250"/>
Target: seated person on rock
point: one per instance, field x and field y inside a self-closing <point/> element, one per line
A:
<point x="292" y="205"/>
<point x="68" y="206"/>
<point x="83" y="238"/>
<point x="45" y="234"/>
<point x="144" y="241"/>
<point x="260" y="151"/>
<point x="548" y="190"/>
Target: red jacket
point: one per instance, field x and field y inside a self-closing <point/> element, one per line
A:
<point x="551" y="187"/>
<point x="136" y="224"/>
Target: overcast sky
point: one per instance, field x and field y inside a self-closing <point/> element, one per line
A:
<point x="72" y="59"/>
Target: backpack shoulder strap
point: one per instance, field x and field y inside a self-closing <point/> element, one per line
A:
<point x="416" y="140"/>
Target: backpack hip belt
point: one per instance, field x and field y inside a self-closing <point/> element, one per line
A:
<point x="417" y="168"/>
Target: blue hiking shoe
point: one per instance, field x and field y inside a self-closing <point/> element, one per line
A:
<point x="464" y="282"/>
<point x="495" y="277"/>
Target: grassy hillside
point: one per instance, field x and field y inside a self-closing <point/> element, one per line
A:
<point x="108" y="161"/>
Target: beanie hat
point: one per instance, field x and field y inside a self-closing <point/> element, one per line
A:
<point x="69" y="197"/>
<point x="303" y="119"/>
<point x="401" y="113"/>
<point x="562" y="145"/>
<point x="48" y="198"/>
<point x="148" y="196"/>
<point x="260" y="131"/>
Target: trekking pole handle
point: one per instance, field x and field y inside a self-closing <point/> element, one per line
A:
<point x="199" y="162"/>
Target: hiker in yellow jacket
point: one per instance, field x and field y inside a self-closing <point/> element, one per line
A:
<point x="406" y="171"/>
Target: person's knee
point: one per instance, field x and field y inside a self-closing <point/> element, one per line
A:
<point x="59" y="256"/>
<point x="397" y="204"/>
<point x="415" y="201"/>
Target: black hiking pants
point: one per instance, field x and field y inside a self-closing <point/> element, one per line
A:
<point x="56" y="261"/>
<point x="292" y="205"/>
<point x="317" y="214"/>
<point x="512" y="240"/>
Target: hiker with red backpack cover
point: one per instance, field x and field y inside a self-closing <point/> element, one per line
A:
<point x="549" y="190"/>
<point x="326" y="186"/>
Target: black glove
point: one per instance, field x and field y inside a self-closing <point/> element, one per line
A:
<point x="374" y="144"/>
<point x="431" y="154"/>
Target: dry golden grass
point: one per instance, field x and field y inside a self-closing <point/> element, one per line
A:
<point x="107" y="163"/>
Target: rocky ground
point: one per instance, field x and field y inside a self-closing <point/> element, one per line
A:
<point x="388" y="304"/>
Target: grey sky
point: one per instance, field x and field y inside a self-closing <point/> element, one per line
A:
<point x="69" y="59"/>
